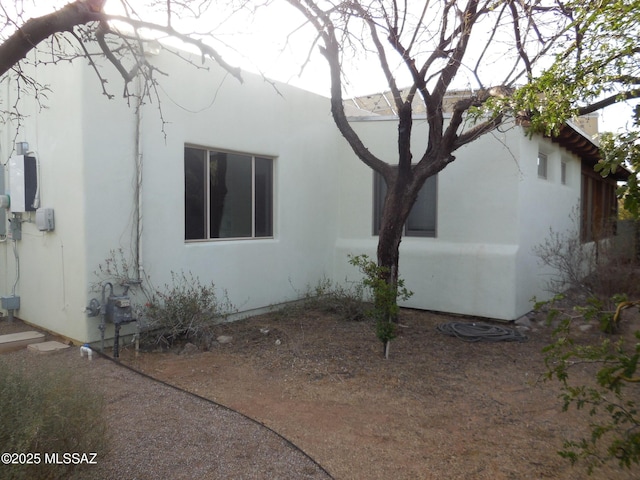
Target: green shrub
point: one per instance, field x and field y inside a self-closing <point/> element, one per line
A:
<point x="47" y="411"/>
<point x="385" y="306"/>
<point x="185" y="311"/>
<point x="611" y="401"/>
<point x="610" y="398"/>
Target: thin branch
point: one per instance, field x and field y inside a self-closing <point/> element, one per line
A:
<point x="205" y="49"/>
<point x="100" y="37"/>
<point x="519" y="45"/>
<point x="103" y="81"/>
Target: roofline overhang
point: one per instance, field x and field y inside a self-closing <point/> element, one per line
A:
<point x="579" y="143"/>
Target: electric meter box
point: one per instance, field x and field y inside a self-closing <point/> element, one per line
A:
<point x="44" y="219"/>
<point x="23" y="183"/>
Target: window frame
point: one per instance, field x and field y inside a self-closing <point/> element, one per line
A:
<point x="379" y="187"/>
<point x="598" y="206"/>
<point x="543" y="161"/>
<point x="206" y="180"/>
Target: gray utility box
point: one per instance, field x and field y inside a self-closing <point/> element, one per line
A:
<point x="118" y="309"/>
<point x="44" y="219"/>
<point x="11" y="303"/>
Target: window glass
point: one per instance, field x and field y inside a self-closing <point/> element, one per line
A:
<point x="264" y="197"/>
<point x="228" y="196"/>
<point x="542" y="165"/>
<point x="230" y="201"/>
<point x="422" y="218"/>
<point x="194" y="194"/>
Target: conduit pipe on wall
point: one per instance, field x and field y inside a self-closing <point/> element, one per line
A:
<point x="138" y="186"/>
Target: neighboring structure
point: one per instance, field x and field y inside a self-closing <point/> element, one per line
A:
<point x="253" y="188"/>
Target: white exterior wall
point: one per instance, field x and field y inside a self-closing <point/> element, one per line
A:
<point x="480" y="262"/>
<point x="544" y="204"/>
<point x="52" y="275"/>
<point x="86" y="145"/>
<point x="492" y="208"/>
<point x="296" y="129"/>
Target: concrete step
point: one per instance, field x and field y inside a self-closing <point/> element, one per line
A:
<point x="15" y="341"/>
<point x="47" y="347"/>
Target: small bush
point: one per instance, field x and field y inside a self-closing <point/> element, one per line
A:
<point x="118" y="269"/>
<point x="596" y="274"/>
<point x="348" y="302"/>
<point x="385" y="308"/>
<point x="184" y="311"/>
<point x="611" y="399"/>
<point x="47" y="411"/>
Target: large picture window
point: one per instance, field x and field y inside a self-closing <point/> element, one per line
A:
<point x="422" y="219"/>
<point x="227" y="195"/>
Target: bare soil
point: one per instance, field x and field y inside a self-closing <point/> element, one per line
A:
<point x="438" y="408"/>
<point x="154" y="430"/>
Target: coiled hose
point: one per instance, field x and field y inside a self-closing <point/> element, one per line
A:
<point x="477" y="332"/>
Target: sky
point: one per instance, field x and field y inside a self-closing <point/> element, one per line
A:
<point x="250" y="41"/>
<point x="254" y="45"/>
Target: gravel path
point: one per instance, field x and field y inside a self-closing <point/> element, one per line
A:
<point x="157" y="431"/>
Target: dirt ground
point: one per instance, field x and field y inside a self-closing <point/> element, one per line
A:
<point x="439" y="408"/>
<point x="152" y="430"/>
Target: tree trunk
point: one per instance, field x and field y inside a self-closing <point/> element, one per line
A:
<point x="397" y="205"/>
<point x="400" y="197"/>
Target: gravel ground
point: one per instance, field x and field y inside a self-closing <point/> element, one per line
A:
<point x="157" y="431"/>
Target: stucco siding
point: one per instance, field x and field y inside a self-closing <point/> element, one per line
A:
<point x="115" y="177"/>
<point x="469" y="267"/>
<point x="51" y="265"/>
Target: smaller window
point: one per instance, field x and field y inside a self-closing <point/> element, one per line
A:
<point x="422" y="219"/>
<point x="542" y="165"/>
<point x="563" y="173"/>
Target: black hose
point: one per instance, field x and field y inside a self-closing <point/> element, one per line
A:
<point x="477" y="332"/>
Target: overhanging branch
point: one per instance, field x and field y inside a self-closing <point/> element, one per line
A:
<point x="36" y="30"/>
<point x="83" y="12"/>
<point x="607" y="102"/>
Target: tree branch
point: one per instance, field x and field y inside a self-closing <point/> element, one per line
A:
<point x="331" y="51"/>
<point x="83" y="12"/>
<point x="34" y="31"/>
<point x="606" y="102"/>
<point x="205" y="49"/>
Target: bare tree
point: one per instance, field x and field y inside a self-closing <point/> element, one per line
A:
<point x="432" y="44"/>
<point x="82" y="30"/>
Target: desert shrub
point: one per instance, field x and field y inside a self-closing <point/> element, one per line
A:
<point x="184" y="311"/>
<point x="595" y="274"/>
<point x="118" y="269"/>
<point x="348" y="301"/>
<point x="596" y="282"/>
<point x="47" y="410"/>
<point x="611" y="399"/>
<point x="568" y="258"/>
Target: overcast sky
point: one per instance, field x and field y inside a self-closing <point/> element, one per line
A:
<point x="252" y="43"/>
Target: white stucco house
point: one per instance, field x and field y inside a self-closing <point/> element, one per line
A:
<point x="255" y="190"/>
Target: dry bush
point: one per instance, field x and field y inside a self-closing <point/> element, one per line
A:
<point x="47" y="411"/>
